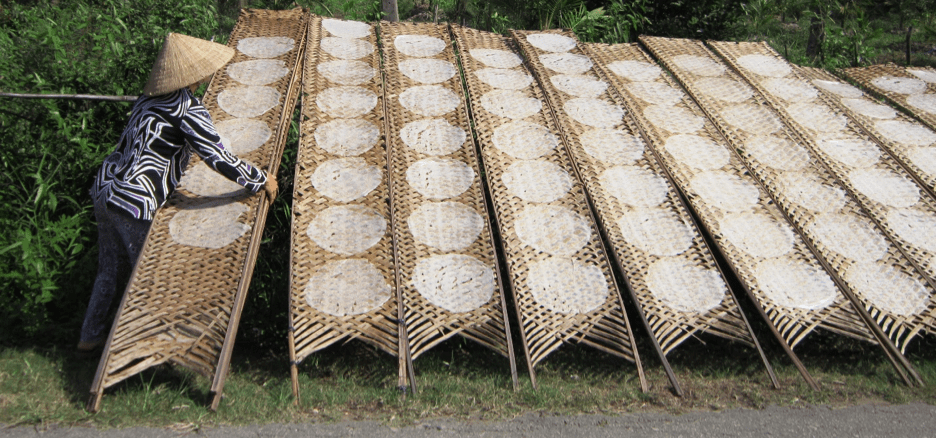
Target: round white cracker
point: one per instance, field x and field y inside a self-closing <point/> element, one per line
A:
<point x="209" y="225"/>
<point x="914" y="226"/>
<point x="725" y="191"/>
<point x="346" y="29"/>
<point x="265" y="47"/>
<point x="248" y="100"/>
<point x="753" y="119"/>
<point x="764" y="65"/>
<point x="511" y="104"/>
<point x="849" y="235"/>
<point x="347" y="72"/>
<point x="346" y="179"/>
<point x="924" y="158"/>
<point x="551" y="42"/>
<point x="790" y="89"/>
<point x="655" y="231"/>
<point x="636" y="71"/>
<point x="612" y="146"/>
<point x="885" y="187"/>
<point x="447" y="226"/>
<point x="656" y="93"/>
<point x="777" y="153"/>
<point x="634" y="186"/>
<point x="923" y="75"/>
<point x="899" y="85"/>
<point x="455" y="282"/>
<point x="567" y="286"/>
<point x="804" y="190"/>
<point x="676" y="120"/>
<point x="923" y="102"/>
<point x="817" y="117"/>
<point x="724" y="89"/>
<point x="505" y="79"/>
<point x="419" y="45"/>
<point x="697" y="152"/>
<point x="347" y="137"/>
<point x="868" y="108"/>
<point x="440" y="178"/>
<point x="840" y="89"/>
<point x="524" y="140"/>
<point x="427" y="71"/>
<point x="887" y="288"/>
<point x="553" y="229"/>
<point x="241" y="136"/>
<point x="433" y="136"/>
<point x="852" y="152"/>
<point x="429" y="100"/>
<point x="205" y="181"/>
<point x="795" y="284"/>
<point x="684" y="287"/>
<point x="347" y="229"/>
<point x="536" y="180"/>
<point x="347" y="287"/>
<point x="579" y="85"/>
<point x="757" y="234"/>
<point x="346" y="48"/>
<point x="594" y="112"/>
<point x="911" y="134"/>
<point x="699" y="65"/>
<point x="566" y="63"/>
<point x="257" y="71"/>
<point x="346" y="102"/>
<point x="496" y="58"/>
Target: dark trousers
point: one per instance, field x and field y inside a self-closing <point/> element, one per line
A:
<point x="120" y="239"/>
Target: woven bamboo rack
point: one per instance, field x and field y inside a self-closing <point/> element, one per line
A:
<point x="670" y="319"/>
<point x="183" y="303"/>
<point x="460" y="260"/>
<point x="866" y="76"/>
<point x="899" y="322"/>
<point x="793" y="323"/>
<point x="911" y="156"/>
<point x="311" y="328"/>
<point x="562" y="314"/>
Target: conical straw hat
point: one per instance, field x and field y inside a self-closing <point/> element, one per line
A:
<point x="183" y="61"/>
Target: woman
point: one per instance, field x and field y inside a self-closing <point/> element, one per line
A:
<point x="166" y="124"/>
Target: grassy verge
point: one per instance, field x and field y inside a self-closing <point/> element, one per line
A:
<point x="48" y="387"/>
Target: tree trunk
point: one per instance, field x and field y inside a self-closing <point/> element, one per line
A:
<point x="390" y="10"/>
<point x="909" y="33"/>
<point x="816" y="36"/>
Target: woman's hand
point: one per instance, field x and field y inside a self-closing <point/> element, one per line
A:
<point x="271" y="187"/>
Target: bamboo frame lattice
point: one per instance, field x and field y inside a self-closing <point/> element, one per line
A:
<point x="913" y="157"/>
<point x="183" y="303"/>
<point x="443" y="239"/>
<point x="899" y="322"/>
<point x="349" y="253"/>
<point x="866" y="76"/>
<point x="691" y="63"/>
<point x="550" y="313"/>
<point x="707" y="302"/>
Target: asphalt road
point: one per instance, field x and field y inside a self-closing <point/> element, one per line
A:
<point x="912" y="420"/>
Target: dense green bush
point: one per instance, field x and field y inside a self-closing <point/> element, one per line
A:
<point x="49" y="149"/>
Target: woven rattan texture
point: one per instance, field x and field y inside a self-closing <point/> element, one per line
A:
<point x="793" y="323"/>
<point x="866" y="77"/>
<point x="902" y="316"/>
<point x="912" y="156"/>
<point x="705" y="305"/>
<point x="315" y="328"/>
<point x="467" y="245"/>
<point x="182" y="299"/>
<point x="596" y="321"/>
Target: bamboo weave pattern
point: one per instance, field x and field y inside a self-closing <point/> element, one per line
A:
<point x="913" y="89"/>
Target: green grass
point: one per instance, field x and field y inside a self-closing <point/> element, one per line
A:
<point x="459" y="380"/>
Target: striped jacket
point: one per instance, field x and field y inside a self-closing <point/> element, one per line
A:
<point x="154" y="149"/>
